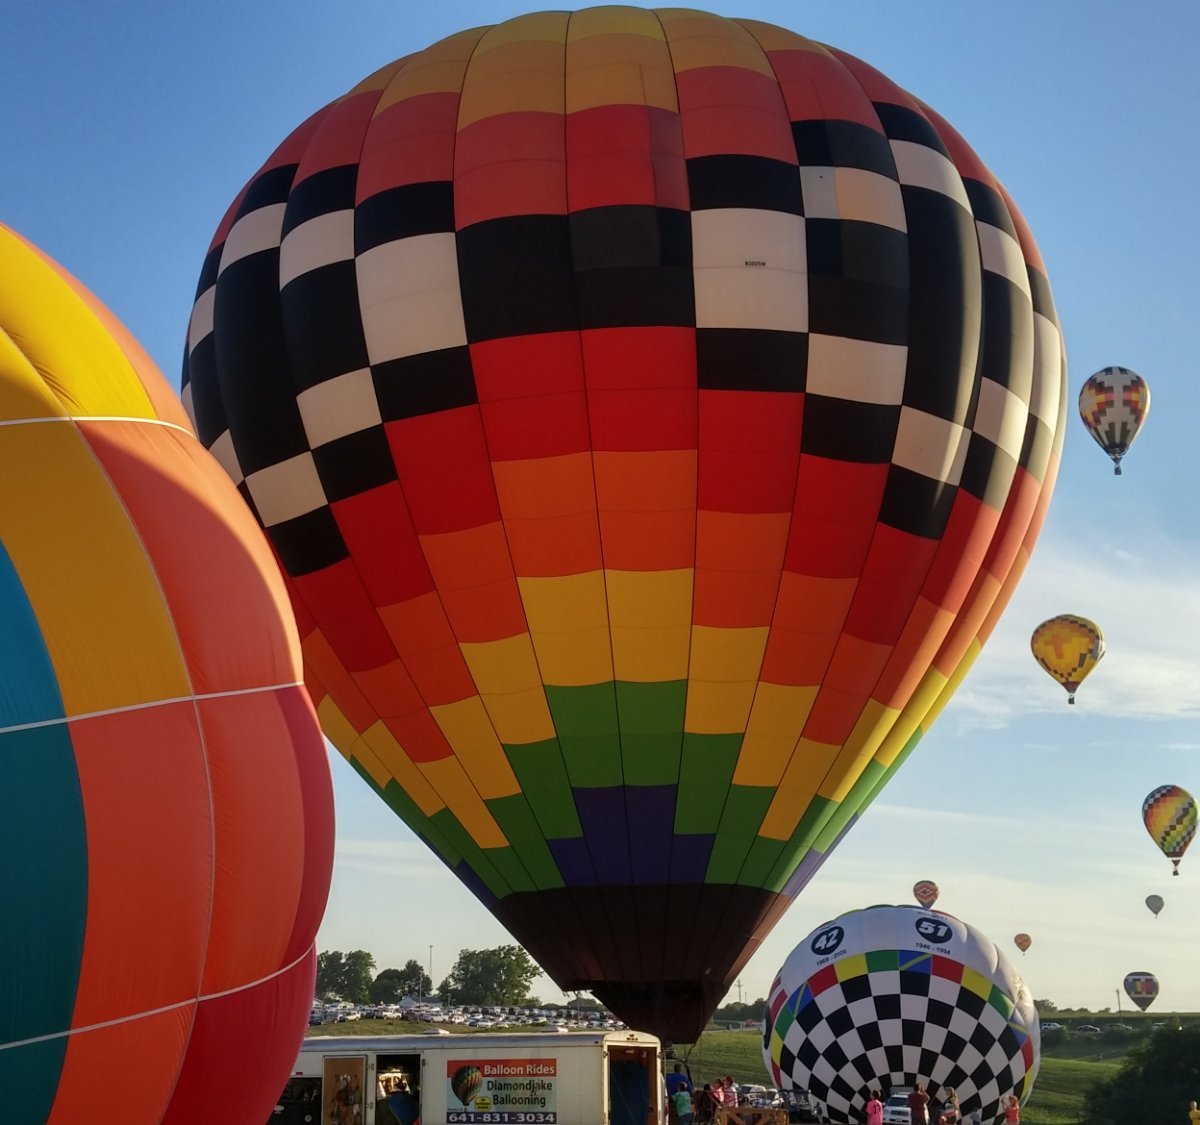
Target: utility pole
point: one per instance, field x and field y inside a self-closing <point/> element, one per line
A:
<point x="739" y="988"/>
<point x="431" y="970"/>
<point x="1118" y="991"/>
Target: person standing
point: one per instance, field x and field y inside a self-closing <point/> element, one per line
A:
<point x="675" y="1082"/>
<point x="1193" y="1114"/>
<point x="874" y="1109"/>
<point x="681" y="1103"/>
<point x="1012" y="1110"/>
<point x="918" y="1102"/>
<point x="951" y="1112"/>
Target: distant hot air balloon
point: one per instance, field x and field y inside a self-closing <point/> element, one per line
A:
<point x="1022" y="942"/>
<point x="465" y="1083"/>
<point x="926" y="892"/>
<point x="1113" y="404"/>
<point x="1142" y="989"/>
<point x="652" y="412"/>
<point x="1155" y="903"/>
<point x="168" y="834"/>
<point x="1169" y="814"/>
<point x="1068" y="647"/>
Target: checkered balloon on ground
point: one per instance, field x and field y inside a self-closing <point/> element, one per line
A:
<point x="892" y="996"/>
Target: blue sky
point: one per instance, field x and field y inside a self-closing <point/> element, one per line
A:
<point x="127" y="127"/>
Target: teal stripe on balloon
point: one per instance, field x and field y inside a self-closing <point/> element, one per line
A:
<point x="28" y="686"/>
<point x="43" y="892"/>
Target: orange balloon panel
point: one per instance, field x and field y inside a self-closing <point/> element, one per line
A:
<point x="655" y="412"/>
<point x="169" y="836"/>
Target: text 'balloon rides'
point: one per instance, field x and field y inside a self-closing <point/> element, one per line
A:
<point x="169" y="829"/>
<point x="890" y="996"/>
<point x="1023" y="942"/>
<point x="925" y="892"/>
<point x="1142" y="989"/>
<point x="1068" y="648"/>
<point x="1113" y="404"/>
<point x="1169" y="814"/>
<point x="653" y="413"/>
<point x="1154" y="903"/>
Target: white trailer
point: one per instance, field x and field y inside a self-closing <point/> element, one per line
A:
<point x="532" y="1078"/>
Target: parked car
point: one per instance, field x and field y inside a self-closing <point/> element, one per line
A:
<point x="1088" y="1029"/>
<point x="1051" y="1026"/>
<point x="896" y="1111"/>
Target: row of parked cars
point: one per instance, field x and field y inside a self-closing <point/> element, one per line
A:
<point x="498" y="1018"/>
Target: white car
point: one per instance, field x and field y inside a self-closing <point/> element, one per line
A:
<point x="896" y="1111"/>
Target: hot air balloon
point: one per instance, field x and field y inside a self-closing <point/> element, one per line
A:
<point x="1068" y="647"/>
<point x="925" y="892"/>
<point x="465" y="1083"/>
<point x="1155" y="903"/>
<point x="169" y="823"/>
<point x="1169" y="814"/>
<point x="650" y="450"/>
<point x="1142" y="989"/>
<point x="1113" y="404"/>
<point x="1022" y="942"/>
<point x="833" y="1021"/>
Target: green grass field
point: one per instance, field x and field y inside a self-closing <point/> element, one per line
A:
<point x="1066" y="1073"/>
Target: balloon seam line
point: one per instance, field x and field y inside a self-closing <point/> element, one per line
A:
<point x="194" y="698"/>
<point x="155" y="1011"/>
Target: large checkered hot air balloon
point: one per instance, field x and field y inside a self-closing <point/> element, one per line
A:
<point x="168" y="826"/>
<point x="653" y="413"/>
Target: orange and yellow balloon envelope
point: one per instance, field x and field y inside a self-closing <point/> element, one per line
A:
<point x="1169" y="814"/>
<point x="1068" y="648"/>
<point x="1022" y="942"/>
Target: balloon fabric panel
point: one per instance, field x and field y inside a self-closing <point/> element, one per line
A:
<point x="648" y="457"/>
<point x="149" y="699"/>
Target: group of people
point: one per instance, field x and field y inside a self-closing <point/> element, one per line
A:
<point x="690" y="1106"/>
<point x="924" y="1111"/>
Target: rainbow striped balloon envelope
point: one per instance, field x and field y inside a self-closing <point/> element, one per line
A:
<point x="168" y="831"/>
<point x="653" y="413"/>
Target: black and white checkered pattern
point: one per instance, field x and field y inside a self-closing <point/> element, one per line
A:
<point x="842" y="1032"/>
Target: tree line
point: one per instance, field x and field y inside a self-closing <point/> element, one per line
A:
<point x="494" y="977"/>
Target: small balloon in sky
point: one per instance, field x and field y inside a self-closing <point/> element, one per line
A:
<point x="1142" y="989"/>
<point x="1068" y="648"/>
<point x="1155" y="904"/>
<point x="1169" y="814"/>
<point x="925" y="892"/>
<point x="1114" y="403"/>
<point x="1022" y="942"/>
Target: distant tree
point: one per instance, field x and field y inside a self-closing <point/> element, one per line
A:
<point x="392" y="985"/>
<point x="1155" y="1083"/>
<point x="345" y="976"/>
<point x="1045" y="1007"/>
<point x="489" y="976"/>
<point x="359" y="972"/>
<point x="741" y="1013"/>
<point x="331" y="964"/>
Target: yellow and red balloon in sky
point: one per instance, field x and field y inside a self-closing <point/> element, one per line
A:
<point x="168" y="829"/>
<point x="653" y="412"/>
